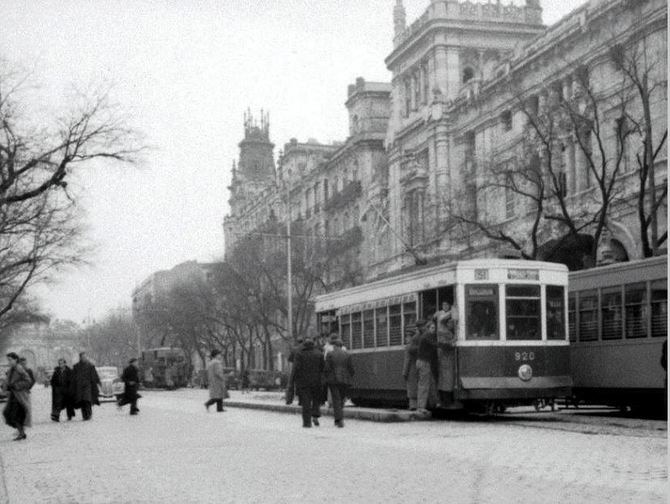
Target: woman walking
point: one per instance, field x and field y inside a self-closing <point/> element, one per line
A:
<point x="17" y="409"/>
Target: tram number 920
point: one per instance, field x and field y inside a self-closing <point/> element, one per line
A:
<point x="524" y="356"/>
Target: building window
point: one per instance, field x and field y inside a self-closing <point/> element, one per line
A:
<point x="325" y="190"/>
<point x="408" y="96"/>
<point x="506" y="120"/>
<point x="468" y="74"/>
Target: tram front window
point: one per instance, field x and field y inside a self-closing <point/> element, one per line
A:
<point x="481" y="312"/>
<point x="523" y="312"/>
<point x="555" y="312"/>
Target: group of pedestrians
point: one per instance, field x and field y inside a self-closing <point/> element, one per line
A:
<point x="316" y="370"/>
<point x="71" y="389"/>
<point x="429" y="359"/>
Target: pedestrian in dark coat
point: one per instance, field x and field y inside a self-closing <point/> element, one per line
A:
<point x="85" y="382"/>
<point x="339" y="371"/>
<point x="61" y="397"/>
<point x="131" y="381"/>
<point x="309" y="364"/>
<point x="17" y="385"/>
<point x="290" y="386"/>
<point x="24" y="363"/>
<point x="216" y="380"/>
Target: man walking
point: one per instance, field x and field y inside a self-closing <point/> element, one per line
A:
<point x="309" y="364"/>
<point x="61" y="398"/>
<point x="216" y="381"/>
<point x="339" y="370"/>
<point x="85" y="383"/>
<point x="131" y="380"/>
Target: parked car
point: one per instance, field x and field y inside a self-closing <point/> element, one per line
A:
<point x="111" y="386"/>
<point x="264" y="379"/>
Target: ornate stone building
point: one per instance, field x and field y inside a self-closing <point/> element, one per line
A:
<point x="464" y="76"/>
<point x="467" y="80"/>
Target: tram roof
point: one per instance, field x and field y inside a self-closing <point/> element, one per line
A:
<point x="440" y="275"/>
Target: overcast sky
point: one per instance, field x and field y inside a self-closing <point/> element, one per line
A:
<point x="187" y="70"/>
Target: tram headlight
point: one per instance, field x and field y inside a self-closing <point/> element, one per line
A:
<point x="525" y="372"/>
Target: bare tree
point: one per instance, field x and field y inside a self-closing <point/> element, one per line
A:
<point x="39" y="153"/>
<point x="528" y="185"/>
<point x="645" y="84"/>
<point x="112" y="341"/>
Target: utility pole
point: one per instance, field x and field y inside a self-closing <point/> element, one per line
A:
<point x="289" y="278"/>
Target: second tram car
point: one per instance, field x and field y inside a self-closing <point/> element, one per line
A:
<point x="618" y="320"/>
<point x="169" y="367"/>
<point x="512" y="343"/>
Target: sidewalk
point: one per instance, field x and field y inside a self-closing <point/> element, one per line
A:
<point x="274" y="401"/>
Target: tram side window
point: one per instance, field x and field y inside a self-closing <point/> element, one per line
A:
<point x="395" y="325"/>
<point x="636" y="311"/>
<point x="523" y="312"/>
<point x="572" y="317"/>
<point x="408" y="317"/>
<point x="368" y="329"/>
<point x="555" y="312"/>
<point x="345" y="324"/>
<point x="356" y="332"/>
<point x="481" y="312"/>
<point x="382" y="327"/>
<point x="659" y="308"/>
<point x="611" y="309"/>
<point x="588" y="316"/>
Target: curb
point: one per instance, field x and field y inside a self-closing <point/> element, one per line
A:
<point x="372" y="415"/>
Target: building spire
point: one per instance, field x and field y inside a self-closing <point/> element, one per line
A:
<point x="399" y="18"/>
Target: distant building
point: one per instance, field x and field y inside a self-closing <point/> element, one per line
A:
<point x="42" y="342"/>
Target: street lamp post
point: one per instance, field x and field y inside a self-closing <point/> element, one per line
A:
<point x="289" y="277"/>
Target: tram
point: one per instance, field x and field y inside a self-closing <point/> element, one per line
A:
<point x="618" y="320"/>
<point x="169" y="367"/>
<point x="512" y="345"/>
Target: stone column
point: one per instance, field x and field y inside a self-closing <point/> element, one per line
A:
<point x="453" y="72"/>
<point x="440" y="73"/>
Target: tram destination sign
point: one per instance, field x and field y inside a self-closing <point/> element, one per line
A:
<point x="523" y="274"/>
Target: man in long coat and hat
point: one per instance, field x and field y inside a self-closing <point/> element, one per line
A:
<point x="85" y="382"/>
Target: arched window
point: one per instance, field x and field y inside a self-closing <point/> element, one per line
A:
<point x="468" y="73"/>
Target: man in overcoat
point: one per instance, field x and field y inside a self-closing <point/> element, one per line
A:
<point x="85" y="382"/>
<point x="309" y="364"/>
<point x="61" y="396"/>
<point x="131" y="381"/>
<point x="216" y="380"/>
<point x="339" y="371"/>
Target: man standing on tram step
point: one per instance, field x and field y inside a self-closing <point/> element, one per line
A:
<point x="309" y="365"/>
<point x="131" y="380"/>
<point x="216" y="381"/>
<point x="85" y="383"/>
<point x="409" y="373"/>
<point x="339" y="371"/>
<point x="427" y="369"/>
<point x="445" y="323"/>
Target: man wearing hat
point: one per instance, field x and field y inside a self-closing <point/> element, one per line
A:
<point x="131" y="380"/>
<point x="409" y="373"/>
<point x="216" y="380"/>
<point x="309" y="364"/>
<point x="339" y="371"/>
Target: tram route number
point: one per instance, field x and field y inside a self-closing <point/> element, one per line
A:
<point x="524" y="356"/>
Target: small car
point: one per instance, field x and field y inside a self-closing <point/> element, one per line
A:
<point x="111" y="386"/>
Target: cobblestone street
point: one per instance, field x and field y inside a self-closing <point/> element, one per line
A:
<point x="175" y="451"/>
